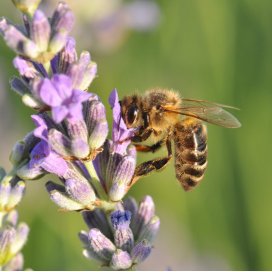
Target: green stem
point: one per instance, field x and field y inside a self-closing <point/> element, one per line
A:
<point x="106" y="206"/>
<point x="95" y="180"/>
<point x="47" y="67"/>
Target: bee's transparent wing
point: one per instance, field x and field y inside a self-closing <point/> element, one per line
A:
<point x="207" y="111"/>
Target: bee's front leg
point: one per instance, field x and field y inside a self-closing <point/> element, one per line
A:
<point x="142" y="135"/>
<point x="148" y="167"/>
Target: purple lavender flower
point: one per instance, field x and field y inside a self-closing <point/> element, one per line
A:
<point x="121" y="135"/>
<point x="65" y="102"/>
<point x="114" y="244"/>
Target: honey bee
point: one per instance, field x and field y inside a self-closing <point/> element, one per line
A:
<point x="163" y="116"/>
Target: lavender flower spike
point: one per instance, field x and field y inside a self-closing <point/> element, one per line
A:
<point x="126" y="250"/>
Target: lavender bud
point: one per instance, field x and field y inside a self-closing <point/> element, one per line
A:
<point x="67" y="56"/>
<point x="131" y="205"/>
<point x="40" y="30"/>
<point x="61" y="198"/>
<point x="121" y="178"/>
<point x="21" y="238"/>
<point x="121" y="260"/>
<point x="11" y="218"/>
<point x="97" y="124"/>
<point x="101" y="245"/>
<point x="78" y="134"/>
<point x="123" y="236"/>
<point x="27" y="6"/>
<point x="59" y="143"/>
<point x="83" y="71"/>
<point x="150" y="231"/>
<point x="145" y="213"/>
<point x="5" y="189"/>
<point x="27" y="173"/>
<point x="31" y="102"/>
<point x="81" y="191"/>
<point x="17" y="153"/>
<point x="17" y="41"/>
<point x="89" y="253"/>
<point x="25" y="68"/>
<point x="16" y="195"/>
<point x="89" y="75"/>
<point x="7" y="236"/>
<point x="97" y="219"/>
<point x="61" y="24"/>
<point x="140" y="252"/>
<point x="19" y="86"/>
<point x="76" y="70"/>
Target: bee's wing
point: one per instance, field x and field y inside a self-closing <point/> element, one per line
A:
<point x="207" y="111"/>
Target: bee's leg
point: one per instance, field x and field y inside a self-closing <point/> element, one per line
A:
<point x="142" y="135"/>
<point x="153" y="148"/>
<point x="148" y="167"/>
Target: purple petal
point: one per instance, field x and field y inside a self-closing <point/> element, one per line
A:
<point x="25" y="68"/>
<point x="120" y="133"/>
<point x="75" y="112"/>
<point x="41" y="130"/>
<point x="59" y="113"/>
<point x="80" y="96"/>
<point x="38" y="153"/>
<point x="48" y="93"/>
<point x="55" y="164"/>
<point x="63" y="86"/>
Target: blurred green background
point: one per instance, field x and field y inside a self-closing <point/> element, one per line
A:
<point x="218" y="50"/>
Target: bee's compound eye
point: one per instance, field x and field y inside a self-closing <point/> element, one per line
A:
<point x="132" y="114"/>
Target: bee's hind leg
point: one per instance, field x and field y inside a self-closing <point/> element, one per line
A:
<point x="148" y="167"/>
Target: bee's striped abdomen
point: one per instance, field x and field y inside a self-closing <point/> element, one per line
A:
<point x="190" y="137"/>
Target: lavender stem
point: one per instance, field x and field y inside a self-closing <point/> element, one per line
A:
<point x="95" y="180"/>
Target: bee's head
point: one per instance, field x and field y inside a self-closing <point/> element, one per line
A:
<point x="131" y="110"/>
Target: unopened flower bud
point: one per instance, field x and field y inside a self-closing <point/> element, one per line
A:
<point x="61" y="198"/>
<point x="141" y="251"/>
<point x="101" y="245"/>
<point x="61" y="24"/>
<point x="97" y="219"/>
<point x="121" y="260"/>
<point x="80" y="190"/>
<point x="121" y="178"/>
<point x="145" y="213"/>
<point x="40" y="30"/>
<point x="78" y="135"/>
<point x="17" y="153"/>
<point x="123" y="236"/>
<point x="150" y="230"/>
<point x="97" y="124"/>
